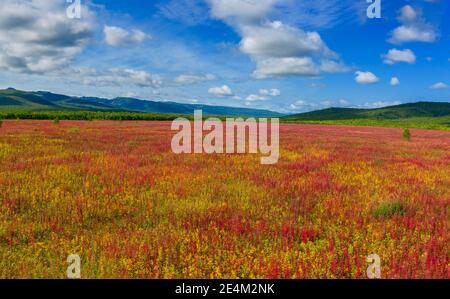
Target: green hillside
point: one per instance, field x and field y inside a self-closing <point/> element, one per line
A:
<point x="17" y="100"/>
<point x="420" y="109"/>
<point x="12" y="100"/>
<point x="424" y="115"/>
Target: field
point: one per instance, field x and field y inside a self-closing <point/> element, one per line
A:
<point x="114" y="193"/>
<point x="429" y="123"/>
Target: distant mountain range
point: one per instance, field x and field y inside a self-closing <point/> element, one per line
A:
<point x="403" y="111"/>
<point x="16" y="100"/>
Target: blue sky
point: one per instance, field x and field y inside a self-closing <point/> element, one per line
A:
<point x="284" y="55"/>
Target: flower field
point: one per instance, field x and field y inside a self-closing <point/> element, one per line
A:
<point x="115" y="194"/>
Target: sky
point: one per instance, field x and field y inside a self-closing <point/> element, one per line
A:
<point x="284" y="55"/>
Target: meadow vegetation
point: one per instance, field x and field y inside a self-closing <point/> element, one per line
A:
<point x="115" y="194"/>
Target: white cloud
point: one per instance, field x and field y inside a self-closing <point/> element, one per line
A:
<point x="407" y="14"/>
<point x="413" y="28"/>
<point x="395" y="81"/>
<point x="439" y="85"/>
<point x="272" y="92"/>
<point x="278" y="49"/>
<point x="264" y="94"/>
<point x="38" y="37"/>
<point x="192" y="79"/>
<point x="221" y="91"/>
<point x="393" y="56"/>
<point x="255" y="97"/>
<point x="116" y="77"/>
<point x="119" y="37"/>
<point x="279" y="67"/>
<point x="330" y="66"/>
<point x="277" y="40"/>
<point x="366" y="78"/>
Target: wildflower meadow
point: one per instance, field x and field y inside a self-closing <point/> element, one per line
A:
<point x="116" y="195"/>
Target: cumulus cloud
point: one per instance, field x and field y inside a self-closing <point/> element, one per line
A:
<point x="263" y="95"/>
<point x="192" y="79"/>
<point x="38" y="37"/>
<point x="393" y="56"/>
<point x="221" y="91"/>
<point x="395" y="81"/>
<point x="278" y="49"/>
<point x="119" y="37"/>
<point x="256" y="97"/>
<point x="366" y="78"/>
<point x="330" y="66"/>
<point x="289" y="66"/>
<point x="116" y="77"/>
<point x="275" y="39"/>
<point x="439" y="85"/>
<point x="413" y="28"/>
<point x="274" y="92"/>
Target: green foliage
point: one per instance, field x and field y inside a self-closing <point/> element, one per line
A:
<point x="422" y="115"/>
<point x="406" y="134"/>
<point x="56" y="121"/>
<point x="430" y="123"/>
<point x="420" y="109"/>
<point x="387" y="210"/>
<point x="1" y="123"/>
<point x="17" y="100"/>
<point x="87" y="115"/>
<point x="73" y="130"/>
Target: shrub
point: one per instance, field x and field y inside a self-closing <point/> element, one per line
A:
<point x="406" y="134"/>
<point x="56" y="121"/>
<point x="387" y="210"/>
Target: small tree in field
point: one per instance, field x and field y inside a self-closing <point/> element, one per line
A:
<point x="406" y="134"/>
<point x="56" y="121"/>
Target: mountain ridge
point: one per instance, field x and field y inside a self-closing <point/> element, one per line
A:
<point x="402" y="111"/>
<point x="17" y="100"/>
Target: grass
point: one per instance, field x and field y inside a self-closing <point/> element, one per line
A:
<point x="432" y="123"/>
<point x="407" y="135"/>
<point x="73" y="130"/>
<point x="387" y="210"/>
<point x="56" y="116"/>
